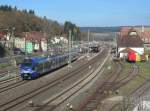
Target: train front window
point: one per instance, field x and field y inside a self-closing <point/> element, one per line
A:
<point x="27" y="63"/>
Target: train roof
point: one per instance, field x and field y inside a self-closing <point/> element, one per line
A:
<point x="37" y="59"/>
<point x="43" y="59"/>
<point x="57" y="56"/>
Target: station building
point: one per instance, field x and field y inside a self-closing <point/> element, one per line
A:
<point x="129" y="40"/>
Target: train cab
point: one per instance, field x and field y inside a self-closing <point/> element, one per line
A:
<point x="27" y="69"/>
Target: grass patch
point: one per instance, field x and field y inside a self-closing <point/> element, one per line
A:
<point x="133" y="84"/>
<point x="138" y="80"/>
<point x="125" y="71"/>
<point x="2" y="66"/>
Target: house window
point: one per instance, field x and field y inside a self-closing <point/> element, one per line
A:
<point x="133" y="34"/>
<point x="146" y="40"/>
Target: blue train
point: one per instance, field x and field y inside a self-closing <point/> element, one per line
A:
<point x="34" y="67"/>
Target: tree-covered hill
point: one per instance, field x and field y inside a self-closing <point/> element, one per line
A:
<point x="26" y="20"/>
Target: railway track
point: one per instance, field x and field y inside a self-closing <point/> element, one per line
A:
<point x="139" y="92"/>
<point x="13" y="103"/>
<point x="55" y="101"/>
<point x="101" y="91"/>
<point x="8" y="76"/>
<point x="141" y="89"/>
<point x="134" y="70"/>
<point x="11" y="86"/>
<point x="11" y="82"/>
<point x="15" y="82"/>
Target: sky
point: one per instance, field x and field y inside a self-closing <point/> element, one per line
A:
<point x="95" y="13"/>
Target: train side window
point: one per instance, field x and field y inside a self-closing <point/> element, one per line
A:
<point x="47" y="64"/>
<point x="53" y="63"/>
<point x="60" y="60"/>
<point x="39" y="67"/>
<point x="35" y="68"/>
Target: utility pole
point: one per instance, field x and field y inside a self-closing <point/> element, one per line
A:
<point x="45" y="40"/>
<point x="72" y="41"/>
<point x="25" y="43"/>
<point x="88" y="42"/>
<point x="69" y="44"/>
<point x="12" y="59"/>
<point x="93" y="37"/>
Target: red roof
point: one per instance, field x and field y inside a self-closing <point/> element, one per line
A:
<point x="35" y="36"/>
<point x="2" y="35"/>
<point x="129" y="37"/>
<point x="124" y="31"/>
<point x="144" y="33"/>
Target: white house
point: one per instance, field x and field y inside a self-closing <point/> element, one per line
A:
<point x="57" y="40"/>
<point x="19" y="43"/>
